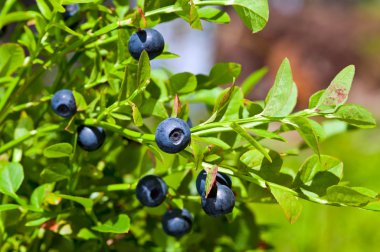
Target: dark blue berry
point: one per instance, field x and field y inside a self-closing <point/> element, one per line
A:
<point x="90" y="138"/>
<point x="177" y="222"/>
<point x="63" y="103"/>
<point x="173" y="135"/>
<point x="221" y="178"/>
<point x="151" y="190"/>
<point x="71" y="10"/>
<point x="149" y="40"/>
<point x="221" y="200"/>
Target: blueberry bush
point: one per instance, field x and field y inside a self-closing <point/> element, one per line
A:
<point x="76" y="73"/>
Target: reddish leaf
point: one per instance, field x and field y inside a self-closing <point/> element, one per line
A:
<point x="177" y="107"/>
<point x="210" y="179"/>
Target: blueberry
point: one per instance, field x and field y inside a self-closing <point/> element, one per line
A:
<point x="173" y="135"/>
<point x="177" y="222"/>
<point x="149" y="40"/>
<point x="221" y="200"/>
<point x="151" y="190"/>
<point x="221" y="178"/>
<point x="63" y="103"/>
<point x="71" y="10"/>
<point x="90" y="138"/>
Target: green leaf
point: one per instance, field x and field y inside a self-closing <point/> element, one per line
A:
<point x="143" y="71"/>
<point x="153" y="107"/>
<point x="282" y="97"/>
<point x="190" y="13"/>
<point x="319" y="173"/>
<point x="254" y="14"/>
<point x="289" y="203"/>
<point x="58" y="150"/>
<point x="24" y="127"/>
<point x="39" y="194"/>
<point x="167" y="55"/>
<point x="85" y="202"/>
<point x="373" y="206"/>
<point x="44" y="9"/>
<point x="221" y="104"/>
<point x="7" y="207"/>
<point x="214" y="15"/>
<point x="137" y="118"/>
<point x="238" y="129"/>
<point x="308" y="131"/>
<point x="120" y="116"/>
<point x="212" y="140"/>
<point x="80" y="101"/>
<point x="182" y="83"/>
<point x="86" y="234"/>
<point x="266" y="134"/>
<point x="57" y="5"/>
<point x="120" y="226"/>
<point x="355" y="115"/>
<point x="198" y="152"/>
<point x="252" y="80"/>
<point x="220" y="74"/>
<point x="175" y="179"/>
<point x="348" y="196"/>
<point x="337" y="93"/>
<point x="18" y="16"/>
<point x="11" y="177"/>
<point x="314" y="99"/>
<point x="314" y="165"/>
<point x="234" y="106"/>
<point x="122" y="45"/>
<point x="12" y="57"/>
<point x="39" y="221"/>
<point x="252" y="158"/>
<point x="56" y="172"/>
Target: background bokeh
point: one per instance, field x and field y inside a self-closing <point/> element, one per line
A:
<point x="320" y="38"/>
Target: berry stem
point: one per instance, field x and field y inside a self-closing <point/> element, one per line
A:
<point x="130" y="134"/>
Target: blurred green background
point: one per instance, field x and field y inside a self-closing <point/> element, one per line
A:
<point x="328" y="228"/>
<point x="320" y="38"/>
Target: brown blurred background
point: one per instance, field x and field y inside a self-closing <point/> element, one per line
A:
<point x="319" y="37"/>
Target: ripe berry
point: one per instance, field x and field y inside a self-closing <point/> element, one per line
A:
<point x="221" y="200"/>
<point x="71" y="10"/>
<point x="173" y="135"/>
<point x="63" y="103"/>
<point x="177" y="222"/>
<point x="149" y="40"/>
<point x="151" y="190"/>
<point x="221" y="178"/>
<point x="90" y="138"/>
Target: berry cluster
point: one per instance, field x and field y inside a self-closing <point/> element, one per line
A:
<point x="89" y="138"/>
<point x="172" y="136"/>
<point x="151" y="191"/>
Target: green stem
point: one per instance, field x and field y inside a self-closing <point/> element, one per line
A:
<point x="130" y="134"/>
<point x="195" y="198"/>
<point x="163" y="10"/>
<point x="108" y="188"/>
<point x="28" y="136"/>
<point x="7" y="6"/>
